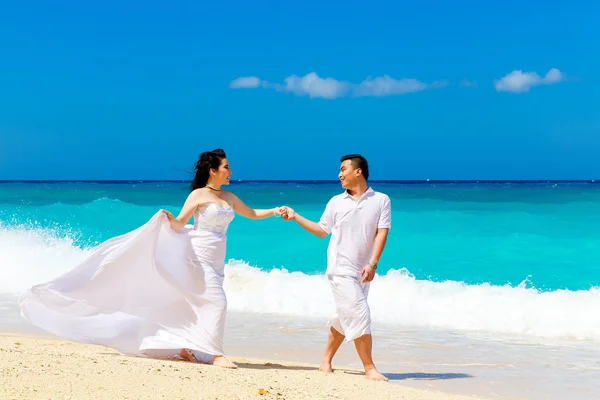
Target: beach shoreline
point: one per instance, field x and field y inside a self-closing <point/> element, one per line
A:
<point x="38" y="367"/>
<point x="459" y="364"/>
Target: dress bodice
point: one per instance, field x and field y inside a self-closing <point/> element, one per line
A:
<point x="213" y="217"/>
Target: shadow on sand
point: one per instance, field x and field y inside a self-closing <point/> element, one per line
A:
<point x="418" y="376"/>
<point x="274" y="366"/>
<point x="422" y="376"/>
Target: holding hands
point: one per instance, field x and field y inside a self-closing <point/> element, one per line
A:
<point x="287" y="213"/>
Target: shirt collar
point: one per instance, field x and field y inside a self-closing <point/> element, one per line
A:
<point x="369" y="192"/>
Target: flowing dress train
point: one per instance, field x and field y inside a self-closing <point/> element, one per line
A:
<point x="152" y="291"/>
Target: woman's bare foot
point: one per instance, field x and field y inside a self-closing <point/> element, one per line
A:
<point x="188" y="355"/>
<point x="375" y="375"/>
<point x="223" y="362"/>
<point x="326" y="367"/>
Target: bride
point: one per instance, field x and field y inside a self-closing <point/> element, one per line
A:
<point x="156" y="291"/>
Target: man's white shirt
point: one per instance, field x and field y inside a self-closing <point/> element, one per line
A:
<point x="353" y="225"/>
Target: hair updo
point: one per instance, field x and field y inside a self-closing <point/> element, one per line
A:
<point x="207" y="161"/>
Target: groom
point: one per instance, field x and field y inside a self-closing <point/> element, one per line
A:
<point x="358" y="221"/>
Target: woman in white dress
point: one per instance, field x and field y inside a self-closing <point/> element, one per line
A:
<point x="158" y="290"/>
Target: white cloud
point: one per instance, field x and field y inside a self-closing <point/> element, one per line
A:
<point x="467" y="83"/>
<point x="387" y="86"/>
<point x="247" y="82"/>
<point x="328" y="88"/>
<point x="519" y="81"/>
<point x="313" y="86"/>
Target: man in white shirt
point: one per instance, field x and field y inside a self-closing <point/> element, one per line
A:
<point x="358" y="221"/>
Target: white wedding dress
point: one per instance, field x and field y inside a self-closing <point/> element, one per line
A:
<point x="152" y="291"/>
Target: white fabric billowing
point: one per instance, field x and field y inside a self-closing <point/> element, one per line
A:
<point x="152" y="291"/>
<point x="353" y="318"/>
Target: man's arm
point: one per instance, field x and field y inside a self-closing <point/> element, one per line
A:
<point x="310" y="226"/>
<point x="383" y="226"/>
<point x="380" y="240"/>
<point x="368" y="273"/>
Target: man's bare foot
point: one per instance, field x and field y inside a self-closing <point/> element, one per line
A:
<point x="375" y="375"/>
<point x="326" y="367"/>
<point x="188" y="355"/>
<point x="223" y="362"/>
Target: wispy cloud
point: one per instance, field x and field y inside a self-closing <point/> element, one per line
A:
<point x="247" y="82"/>
<point x="468" y="83"/>
<point x="519" y="81"/>
<point x="314" y="86"/>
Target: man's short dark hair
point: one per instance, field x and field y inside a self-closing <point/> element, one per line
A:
<point x="358" y="161"/>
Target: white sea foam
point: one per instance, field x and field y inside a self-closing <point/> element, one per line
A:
<point x="398" y="300"/>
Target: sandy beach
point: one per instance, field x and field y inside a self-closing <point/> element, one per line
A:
<point x="44" y="368"/>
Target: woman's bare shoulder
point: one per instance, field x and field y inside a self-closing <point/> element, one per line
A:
<point x="228" y="196"/>
<point x="198" y="195"/>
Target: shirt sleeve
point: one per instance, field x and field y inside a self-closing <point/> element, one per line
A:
<point x="385" y="217"/>
<point x="327" y="219"/>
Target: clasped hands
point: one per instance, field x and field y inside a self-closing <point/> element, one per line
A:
<point x="286" y="213"/>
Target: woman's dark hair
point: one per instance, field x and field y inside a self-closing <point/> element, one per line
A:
<point x="207" y="161"/>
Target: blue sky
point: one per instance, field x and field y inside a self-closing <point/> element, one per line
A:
<point x="428" y="89"/>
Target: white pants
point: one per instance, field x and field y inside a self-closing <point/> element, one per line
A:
<point x="353" y="318"/>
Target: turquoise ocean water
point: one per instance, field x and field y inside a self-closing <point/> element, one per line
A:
<point x="494" y="281"/>
<point x="499" y="257"/>
<point x="547" y="234"/>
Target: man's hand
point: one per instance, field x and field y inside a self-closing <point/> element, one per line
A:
<point x="287" y="213"/>
<point x="368" y="274"/>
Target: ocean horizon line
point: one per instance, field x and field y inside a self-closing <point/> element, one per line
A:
<point x="306" y="181"/>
